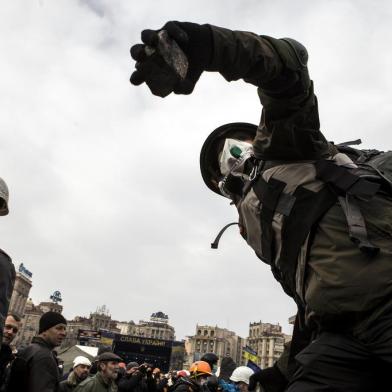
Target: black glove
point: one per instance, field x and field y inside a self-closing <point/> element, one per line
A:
<point x="193" y="39"/>
<point x="271" y="379"/>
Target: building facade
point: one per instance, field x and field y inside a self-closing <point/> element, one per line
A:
<point x="220" y="341"/>
<point x="158" y="327"/>
<point x="73" y="328"/>
<point x="124" y="327"/>
<point x="98" y="321"/>
<point x="20" y="293"/>
<point x="267" y="340"/>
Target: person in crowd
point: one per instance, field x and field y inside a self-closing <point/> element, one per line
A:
<point x="105" y="378"/>
<point x="138" y="379"/>
<point x="80" y="371"/>
<point x="240" y="378"/>
<point x="197" y="380"/>
<point x="224" y="372"/>
<point x="11" y="327"/>
<point x="212" y="360"/>
<point x="7" y="269"/>
<point x="101" y="350"/>
<point x="35" y="369"/>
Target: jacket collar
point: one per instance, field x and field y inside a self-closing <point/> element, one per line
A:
<point x="72" y="379"/>
<point x="42" y="342"/>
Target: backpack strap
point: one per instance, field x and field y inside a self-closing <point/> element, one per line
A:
<point x="215" y="244"/>
<point x="268" y="193"/>
<point x="356" y="225"/>
<point x="308" y="209"/>
<point x="344" y="181"/>
<point x="350" y="186"/>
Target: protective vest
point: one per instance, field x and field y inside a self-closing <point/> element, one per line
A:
<point x="282" y="207"/>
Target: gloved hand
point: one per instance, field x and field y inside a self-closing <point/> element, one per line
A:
<point x="193" y="39"/>
<point x="271" y="380"/>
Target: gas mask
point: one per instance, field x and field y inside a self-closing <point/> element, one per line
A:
<point x="235" y="163"/>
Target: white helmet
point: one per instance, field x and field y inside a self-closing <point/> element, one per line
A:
<point x="241" y="374"/>
<point x="80" y="360"/>
<point x="4" y="194"/>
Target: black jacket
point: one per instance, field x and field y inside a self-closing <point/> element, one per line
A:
<point x="37" y="366"/>
<point x="6" y="357"/>
<point x="185" y="384"/>
<point x="137" y="383"/>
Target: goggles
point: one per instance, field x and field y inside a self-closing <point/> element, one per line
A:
<point x="234" y="164"/>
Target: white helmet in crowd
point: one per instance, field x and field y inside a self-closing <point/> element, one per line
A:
<point x="80" y="360"/>
<point x="4" y="194"/>
<point x="241" y="374"/>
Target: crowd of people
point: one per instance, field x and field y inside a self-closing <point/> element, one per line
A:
<point x="36" y="368"/>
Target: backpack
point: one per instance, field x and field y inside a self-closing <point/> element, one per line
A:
<point x="284" y="204"/>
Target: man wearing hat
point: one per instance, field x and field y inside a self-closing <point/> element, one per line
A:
<point x="35" y="368"/>
<point x="319" y="214"/>
<point x="80" y="371"/>
<point x="104" y="380"/>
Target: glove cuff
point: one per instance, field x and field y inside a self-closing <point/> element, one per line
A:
<point x="200" y="46"/>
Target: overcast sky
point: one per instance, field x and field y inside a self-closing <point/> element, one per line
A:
<point x="107" y="204"/>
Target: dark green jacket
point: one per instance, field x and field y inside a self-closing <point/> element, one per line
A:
<point x="341" y="285"/>
<point x="96" y="384"/>
<point x="69" y="384"/>
<point x="289" y="128"/>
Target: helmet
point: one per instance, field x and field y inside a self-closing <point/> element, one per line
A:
<point x="199" y="368"/>
<point x="241" y="374"/>
<point x="210" y="358"/>
<point x="4" y="194"/>
<point x="209" y="154"/>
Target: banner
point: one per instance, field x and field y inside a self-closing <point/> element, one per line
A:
<point x="253" y="366"/>
<point x="250" y="354"/>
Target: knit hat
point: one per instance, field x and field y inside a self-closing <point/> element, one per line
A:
<point x="49" y="320"/>
<point x="80" y="360"/>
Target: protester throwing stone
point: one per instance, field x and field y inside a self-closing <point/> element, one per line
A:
<point x="319" y="214"/>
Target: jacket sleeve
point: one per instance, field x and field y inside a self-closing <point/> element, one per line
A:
<point x="289" y="127"/>
<point x="243" y="55"/>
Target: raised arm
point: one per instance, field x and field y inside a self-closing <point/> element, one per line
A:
<point x="289" y="127"/>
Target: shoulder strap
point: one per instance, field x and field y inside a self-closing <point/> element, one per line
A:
<point x="356" y="225"/>
<point x="268" y="193"/>
<point x="308" y="209"/>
